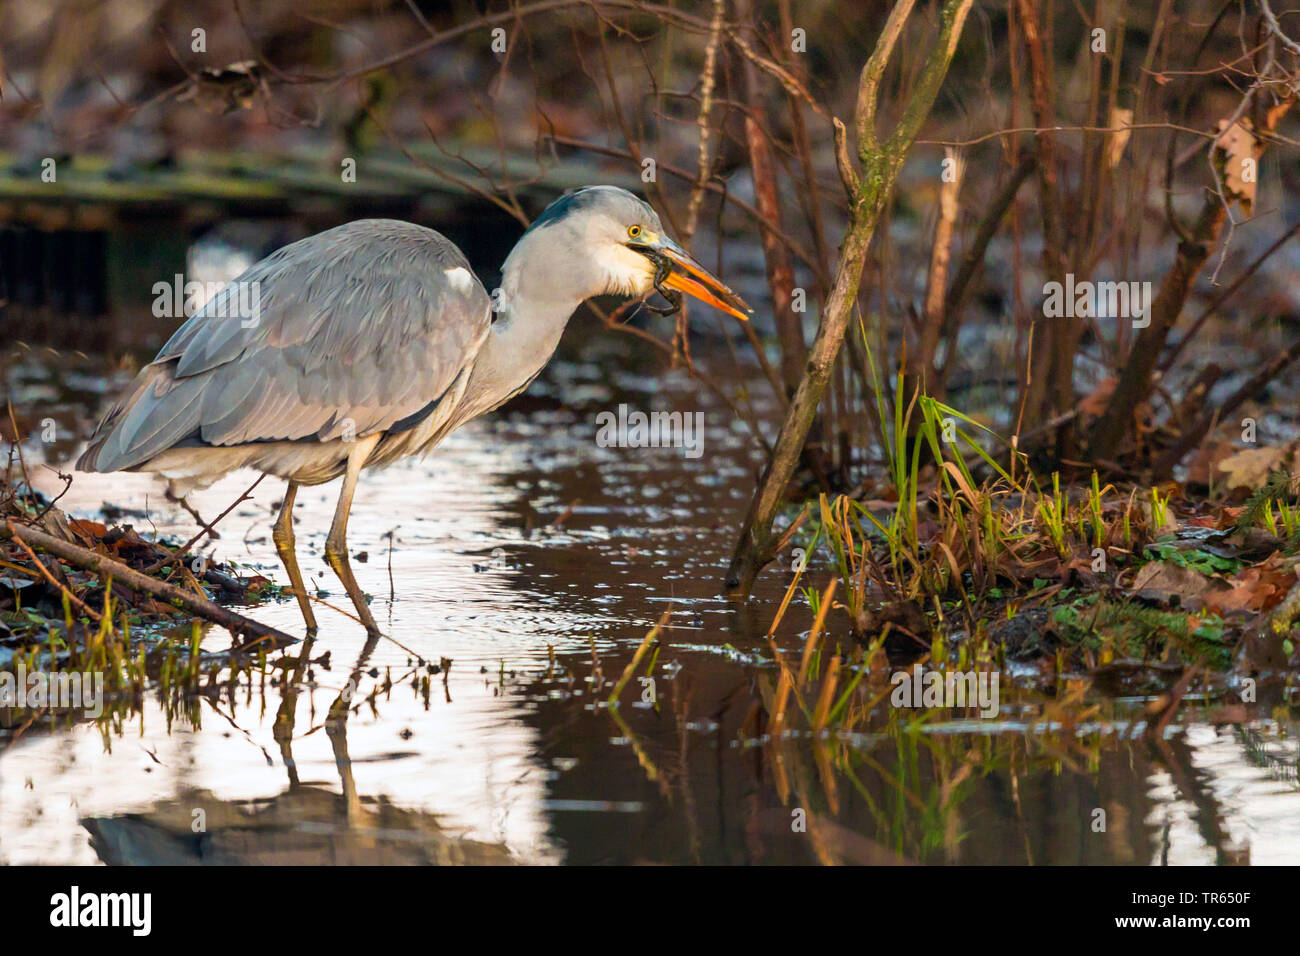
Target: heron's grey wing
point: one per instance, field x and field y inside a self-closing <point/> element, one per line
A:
<point x="357" y="329"/>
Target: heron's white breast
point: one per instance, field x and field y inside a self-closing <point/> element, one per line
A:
<point x="461" y="279"/>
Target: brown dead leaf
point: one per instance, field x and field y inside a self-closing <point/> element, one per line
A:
<point x="1172" y="584"/>
<point x="1240" y="152"/>
<point x="1250" y="467"/>
<point x="1255" y="589"/>
<point x="89" y="531"/>
<point x="1229" y="516"/>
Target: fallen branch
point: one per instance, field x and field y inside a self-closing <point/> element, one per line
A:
<point x="103" y="565"/>
<point x="45" y="573"/>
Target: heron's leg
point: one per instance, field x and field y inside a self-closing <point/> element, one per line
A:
<point x="282" y="534"/>
<point x="336" y="544"/>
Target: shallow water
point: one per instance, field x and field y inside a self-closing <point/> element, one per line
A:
<point x="520" y="537"/>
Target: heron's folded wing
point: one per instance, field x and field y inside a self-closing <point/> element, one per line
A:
<point x="351" y="331"/>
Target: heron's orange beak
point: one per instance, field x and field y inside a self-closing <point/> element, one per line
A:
<point x="692" y="278"/>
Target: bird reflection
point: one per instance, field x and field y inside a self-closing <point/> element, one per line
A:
<point x="306" y="824"/>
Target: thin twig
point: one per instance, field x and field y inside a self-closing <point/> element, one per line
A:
<point x="206" y="530"/>
<point x="706" y="107"/>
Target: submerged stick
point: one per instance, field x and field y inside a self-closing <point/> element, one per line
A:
<point x="102" y="564"/>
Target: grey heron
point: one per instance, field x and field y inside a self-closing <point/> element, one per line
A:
<point x="373" y="341"/>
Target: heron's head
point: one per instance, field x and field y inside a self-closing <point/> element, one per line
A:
<point x="617" y="245"/>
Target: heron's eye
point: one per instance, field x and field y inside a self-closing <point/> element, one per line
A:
<point x="634" y="232"/>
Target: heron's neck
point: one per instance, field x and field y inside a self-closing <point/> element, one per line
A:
<point x="539" y="293"/>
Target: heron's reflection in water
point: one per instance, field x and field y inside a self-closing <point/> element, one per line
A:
<point x="307" y="824"/>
